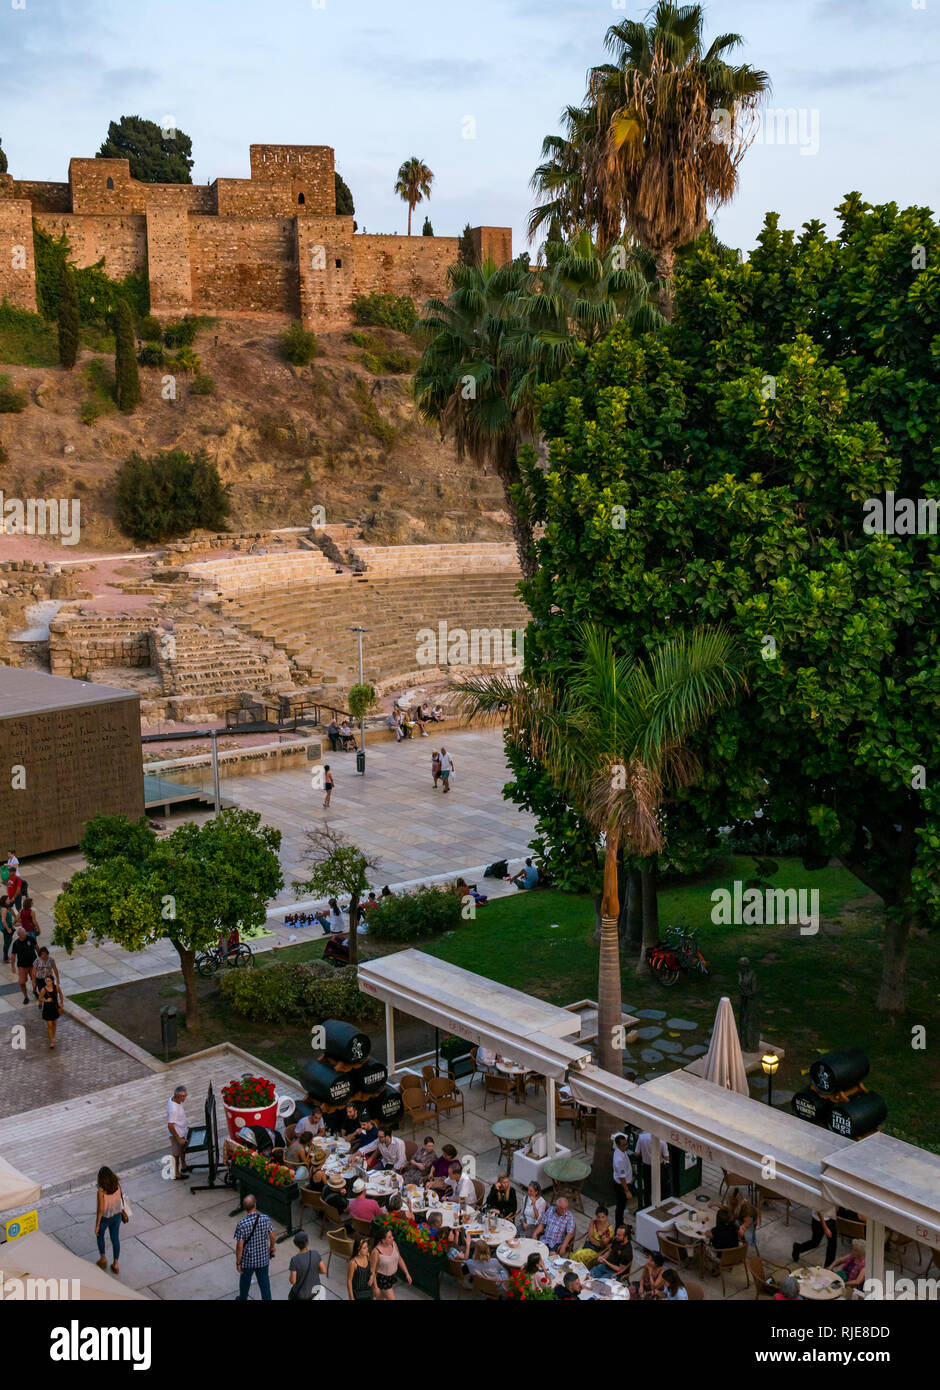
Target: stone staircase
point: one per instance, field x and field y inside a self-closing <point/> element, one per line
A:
<point x="197" y="661"/>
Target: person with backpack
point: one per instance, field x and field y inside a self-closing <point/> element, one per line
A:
<point x="23" y="961"/>
<point x="305" y="1270"/>
<point x="28" y="919"/>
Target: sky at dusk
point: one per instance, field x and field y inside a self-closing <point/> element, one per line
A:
<point x="471" y="89"/>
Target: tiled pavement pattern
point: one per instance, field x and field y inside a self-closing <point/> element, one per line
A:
<point x="393" y="812"/>
<point x="179" y="1243"/>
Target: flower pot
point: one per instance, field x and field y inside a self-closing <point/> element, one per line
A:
<point x="265" y="1116"/>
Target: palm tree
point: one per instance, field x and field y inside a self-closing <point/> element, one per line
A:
<point x="613" y="737"/>
<point x="504" y="331"/>
<point x="659" y="138"/>
<point x="414" y="183"/>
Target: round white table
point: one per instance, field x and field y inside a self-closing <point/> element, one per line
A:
<point x="819" y="1284"/>
<point x="514" y="1255"/>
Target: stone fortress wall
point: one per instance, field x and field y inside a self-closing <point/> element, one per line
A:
<point x="269" y="244"/>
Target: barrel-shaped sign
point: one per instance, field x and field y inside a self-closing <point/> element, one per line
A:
<point x="810" y="1106"/>
<point x="839" y="1071"/>
<point x="387" y="1106"/>
<point x="326" y="1084"/>
<point x="370" y="1079"/>
<point x="858" y="1116"/>
<point x="344" y="1043"/>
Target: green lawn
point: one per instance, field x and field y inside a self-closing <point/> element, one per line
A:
<point x="816" y="992"/>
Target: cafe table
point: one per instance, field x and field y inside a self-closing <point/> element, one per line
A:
<point x="567" y="1176"/>
<point x="515" y="1073"/>
<point x="514" y="1253"/>
<point x="697" y="1227"/>
<point x="818" y="1284"/>
<point x="512" y="1135"/>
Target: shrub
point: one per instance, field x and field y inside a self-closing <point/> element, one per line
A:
<point x="425" y="912"/>
<point x="90" y="410"/>
<point x="182" y="333"/>
<point x="361" y="699"/>
<point x="169" y="495"/>
<point x="185" y="361"/>
<point x="26" y="340"/>
<point x="149" y="329"/>
<point x="12" y="400"/>
<point x="152" y="355"/>
<point x="298" y="994"/>
<point x="385" y="311"/>
<point x="68" y="318"/>
<point x="203" y="385"/>
<point x="299" y="345"/>
<point x="126" y="376"/>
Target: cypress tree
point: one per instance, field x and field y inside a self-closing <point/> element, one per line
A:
<point x="126" y="377"/>
<point x="427" y="229"/>
<point x="466" y="254"/>
<point x="68" y="317"/>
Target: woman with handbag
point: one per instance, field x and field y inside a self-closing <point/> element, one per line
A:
<point x="50" y="1006"/>
<point x="112" y="1211"/>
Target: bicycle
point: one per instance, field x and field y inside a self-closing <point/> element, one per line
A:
<point x="677" y="954"/>
<point x="208" y="962"/>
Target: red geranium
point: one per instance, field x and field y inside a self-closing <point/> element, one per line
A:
<point x="251" y="1093"/>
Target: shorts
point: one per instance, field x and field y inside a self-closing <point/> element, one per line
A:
<point x="386" y="1281"/>
<point x="177" y="1146"/>
<point x="446" y="776"/>
<point x="24" y="972"/>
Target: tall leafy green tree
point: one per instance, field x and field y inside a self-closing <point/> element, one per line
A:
<point x="345" y="207"/>
<point x="613" y="738"/>
<point x="466" y="252"/>
<point x="68" y="317"/>
<point x="720" y="473"/>
<point x="338" y="869"/>
<point x="154" y="156"/>
<point x="427" y="229"/>
<point x="126" y="375"/>
<point x="185" y="889"/>
<point x="413" y="184"/>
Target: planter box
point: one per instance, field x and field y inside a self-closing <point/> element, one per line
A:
<point x="425" y="1270"/>
<point x="276" y="1202"/>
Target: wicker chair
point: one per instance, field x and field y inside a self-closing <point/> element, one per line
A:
<point x="340" y="1244"/>
<point x="731" y="1259"/>
<point x="496" y="1086"/>
<point x="486" y="1288"/>
<point x="764" y="1282"/>
<point x="445" y="1095"/>
<point x="417" y="1110"/>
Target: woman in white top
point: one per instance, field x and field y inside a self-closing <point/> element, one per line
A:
<point x="337" y="920"/>
<point x="533" y="1209"/>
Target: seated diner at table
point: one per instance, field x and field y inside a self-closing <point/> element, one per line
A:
<point x="299" y="1155"/>
<point x="459" y="1186"/>
<point x="569" y="1289"/>
<point x="441" y="1168"/>
<point x="676" y="1291"/>
<point x="484" y="1263"/>
<point x="347" y="1123"/>
<point x="362" y="1207"/>
<point x="365" y="1137"/>
<point x="334" y="1193"/>
<point x="388" y="1149"/>
<point x="724" y="1236"/>
<point x="419" y="1166"/>
<point x="599" y="1231"/>
<point x="652" y="1284"/>
<point x="556" y="1228"/>
<point x="851" y="1268"/>
<point x="502" y="1197"/>
<point x="536" y="1271"/>
<point x="616" y="1259"/>
<point x="312" y="1124"/>
<point x="533" y="1209"/>
<point x="789" y="1291"/>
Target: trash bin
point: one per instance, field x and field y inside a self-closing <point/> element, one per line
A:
<point x="361" y="761"/>
<point x="168" y="1028"/>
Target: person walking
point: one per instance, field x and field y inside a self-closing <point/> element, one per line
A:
<point x="447" y="767"/>
<point x="360" y="1281"/>
<point x="328" y="784"/>
<point x="305" y="1270"/>
<point x="623" y="1177"/>
<point x="435" y="768"/>
<point x="28" y="919"/>
<point x="23" y="961"/>
<point x="178" y="1126"/>
<point x="254" y="1250"/>
<point x="823" y="1224"/>
<point x="109" y="1216"/>
<point x="644" y="1150"/>
<point x="7" y="927"/>
<point x="50" y="1006"/>
<point x="385" y="1262"/>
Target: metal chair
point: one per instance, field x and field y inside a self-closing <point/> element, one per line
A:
<point x="767" y="1194"/>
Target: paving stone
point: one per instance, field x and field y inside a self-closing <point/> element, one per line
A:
<point x="696" y="1050"/>
<point x="138" y="1265"/>
<point x="184" y="1244"/>
<point x="650" y="1013"/>
<point x="650" y="1056"/>
<point x="681" y="1025"/>
<point x="652" y="1030"/>
<point x="669" y="1045"/>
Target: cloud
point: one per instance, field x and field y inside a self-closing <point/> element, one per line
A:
<point x="854" y="11"/>
<point x="866" y="76"/>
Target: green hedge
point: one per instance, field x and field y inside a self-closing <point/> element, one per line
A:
<point x="385" y="311"/>
<point x="169" y="494"/>
<point x="425" y="912"/>
<point x="298" y="994"/>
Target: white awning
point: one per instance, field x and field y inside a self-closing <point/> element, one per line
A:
<point x="60" y="1274"/>
<point x="16" y="1190"/>
<point x="767" y="1146"/>
<point x="530" y="1031"/>
<point x="889" y="1181"/>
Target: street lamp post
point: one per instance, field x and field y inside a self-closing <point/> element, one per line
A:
<point x="770" y="1062"/>
<point x="362" y="717"/>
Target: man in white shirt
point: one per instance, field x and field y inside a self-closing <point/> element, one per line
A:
<point x="447" y="767"/>
<point x="459" y="1186"/>
<point x="623" y="1177"/>
<point x="390" y="1148"/>
<point x="12" y="861"/>
<point x="178" y="1127"/>
<point x="644" y="1150"/>
<point x="312" y="1124"/>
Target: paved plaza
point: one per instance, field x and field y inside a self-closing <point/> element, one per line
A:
<point x="415" y="832"/>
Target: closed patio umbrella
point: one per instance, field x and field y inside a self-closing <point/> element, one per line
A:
<point x="724" y="1065"/>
